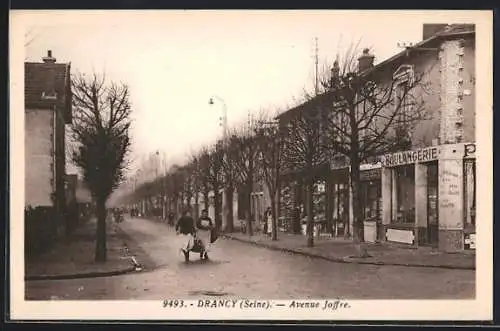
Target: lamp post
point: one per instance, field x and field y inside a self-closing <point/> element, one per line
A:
<point x="211" y="101"/>
<point x="272" y="133"/>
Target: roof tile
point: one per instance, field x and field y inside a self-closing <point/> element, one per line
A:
<point x="47" y="79"/>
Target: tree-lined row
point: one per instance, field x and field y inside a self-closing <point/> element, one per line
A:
<point x="248" y="155"/>
<point x="358" y="114"/>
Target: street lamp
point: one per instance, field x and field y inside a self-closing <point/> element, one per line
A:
<point x="211" y="101"/>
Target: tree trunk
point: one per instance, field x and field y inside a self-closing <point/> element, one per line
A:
<point x="358" y="224"/>
<point x="100" y="248"/>
<point x="229" y="203"/>
<point x="357" y="221"/>
<point x="217" y="209"/>
<point x="196" y="206"/>
<point x="249" y="205"/>
<point x="205" y="200"/>
<point x="274" y="212"/>
<point x="310" y="210"/>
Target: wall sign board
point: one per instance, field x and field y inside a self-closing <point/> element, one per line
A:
<point x="372" y="174"/>
<point x="470" y="241"/>
<point x="409" y="157"/>
<point x="469" y="150"/>
<point x="400" y="236"/>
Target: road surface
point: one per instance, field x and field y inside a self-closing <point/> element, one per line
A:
<point x="241" y="270"/>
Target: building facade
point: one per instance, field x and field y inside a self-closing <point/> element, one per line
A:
<point x="428" y="191"/>
<point x="423" y="194"/>
<point x="47" y="112"/>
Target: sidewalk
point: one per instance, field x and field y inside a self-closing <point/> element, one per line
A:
<point x="73" y="257"/>
<point x="343" y="250"/>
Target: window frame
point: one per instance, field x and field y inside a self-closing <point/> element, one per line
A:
<point x="410" y="213"/>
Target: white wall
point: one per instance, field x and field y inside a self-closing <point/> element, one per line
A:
<point x="39" y="172"/>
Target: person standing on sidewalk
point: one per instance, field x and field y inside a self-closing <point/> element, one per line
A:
<point x="268" y="219"/>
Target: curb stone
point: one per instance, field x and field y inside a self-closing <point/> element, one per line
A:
<point x="82" y="275"/>
<point x="346" y="259"/>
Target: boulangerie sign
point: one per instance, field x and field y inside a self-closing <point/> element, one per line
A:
<point x="409" y="157"/>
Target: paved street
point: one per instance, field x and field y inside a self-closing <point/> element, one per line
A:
<point x="243" y="270"/>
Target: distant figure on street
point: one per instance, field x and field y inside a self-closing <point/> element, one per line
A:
<point x="171" y="218"/>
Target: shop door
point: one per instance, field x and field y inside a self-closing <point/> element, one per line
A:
<point x="432" y="205"/>
<point x="341" y="208"/>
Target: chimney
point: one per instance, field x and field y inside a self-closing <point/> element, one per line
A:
<point x="365" y="61"/>
<point x="49" y="58"/>
<point x="335" y="74"/>
<point x="430" y="30"/>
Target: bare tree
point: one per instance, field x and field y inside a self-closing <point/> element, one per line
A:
<point x="101" y="129"/>
<point x="230" y="169"/>
<point x="177" y="187"/>
<point x="269" y="140"/>
<point x="187" y="187"/>
<point x="195" y="174"/>
<point x="302" y="151"/>
<point x="205" y="175"/>
<point x="369" y="113"/>
<point x="214" y="177"/>
<point x="246" y="168"/>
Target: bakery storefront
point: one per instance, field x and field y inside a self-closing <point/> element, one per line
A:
<point x="428" y="197"/>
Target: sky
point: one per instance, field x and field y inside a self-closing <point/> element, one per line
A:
<point x="175" y="61"/>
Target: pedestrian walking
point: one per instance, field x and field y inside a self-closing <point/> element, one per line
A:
<point x="185" y="228"/>
<point x="208" y="233"/>
<point x="171" y="218"/>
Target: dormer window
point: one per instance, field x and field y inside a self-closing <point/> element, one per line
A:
<point x="405" y="72"/>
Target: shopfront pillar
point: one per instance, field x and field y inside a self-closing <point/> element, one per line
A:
<point x="235" y="207"/>
<point x="420" y="202"/>
<point x="451" y="198"/>
<point x="386" y="182"/>
<point x="394" y="194"/>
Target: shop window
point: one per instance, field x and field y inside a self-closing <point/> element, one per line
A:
<point x="405" y="196"/>
<point x="470" y="192"/>
<point x="371" y="195"/>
